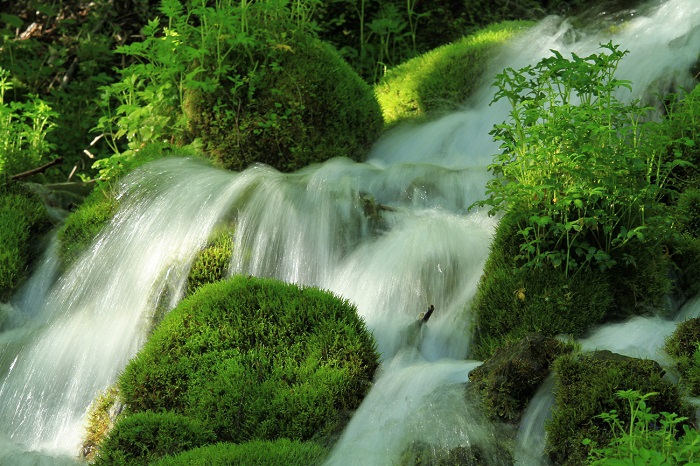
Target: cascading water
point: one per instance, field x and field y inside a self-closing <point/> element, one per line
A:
<point x="393" y="235"/>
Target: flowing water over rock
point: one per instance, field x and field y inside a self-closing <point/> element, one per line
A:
<point x="393" y="235"/>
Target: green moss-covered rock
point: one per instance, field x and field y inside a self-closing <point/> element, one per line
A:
<point x="22" y="218"/>
<point x="586" y="385"/>
<point x="303" y="104"/>
<point x="212" y="263"/>
<point x="442" y="79"/>
<point x="101" y="417"/>
<point x="426" y="454"/>
<point x="512" y="302"/>
<point x="282" y="452"/>
<point x="142" y="438"/>
<point x="255" y="359"/>
<point x="83" y="225"/>
<point x="684" y="347"/>
<point x="507" y="381"/>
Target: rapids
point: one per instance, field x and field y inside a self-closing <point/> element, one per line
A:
<point x="66" y="336"/>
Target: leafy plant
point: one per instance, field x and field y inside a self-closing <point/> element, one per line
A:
<point x="23" y="130"/>
<point x="580" y="168"/>
<point x="646" y="437"/>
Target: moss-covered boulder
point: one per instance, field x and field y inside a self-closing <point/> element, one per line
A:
<point x="426" y="454"/>
<point x="282" y="452"/>
<point x="684" y="347"/>
<point x="301" y="104"/>
<point x="507" y="381"/>
<point x="512" y="301"/>
<point x="586" y="386"/>
<point x="142" y="438"/>
<point x="83" y="225"/>
<point x="23" y="218"/>
<point x="441" y="80"/>
<point x="255" y="359"/>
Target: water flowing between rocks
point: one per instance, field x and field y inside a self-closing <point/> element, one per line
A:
<point x="393" y="235"/>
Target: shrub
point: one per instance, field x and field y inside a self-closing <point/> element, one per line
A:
<point x="82" y="226"/>
<point x="442" y="79"/>
<point x="282" y="452"/>
<point x="22" y="217"/>
<point x="255" y="359"/>
<point x="585" y="386"/>
<point x="684" y="346"/>
<point x="142" y="438"/>
<point x="511" y="302"/>
<point x="648" y="437"/>
<point x="304" y="105"/>
<point x="212" y="263"/>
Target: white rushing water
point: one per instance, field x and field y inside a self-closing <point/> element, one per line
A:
<point x="70" y="336"/>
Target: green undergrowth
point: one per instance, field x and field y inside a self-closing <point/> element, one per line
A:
<point x="441" y="80"/>
<point x="23" y="218"/>
<point x="282" y="452"/>
<point x="585" y="386"/>
<point x="255" y="359"/>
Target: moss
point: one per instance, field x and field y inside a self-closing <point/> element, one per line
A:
<point x="283" y="452"/>
<point x="302" y="105"/>
<point x="585" y="386"/>
<point x="142" y="438"/>
<point x="507" y="381"/>
<point x="442" y="79"/>
<point x="23" y="218"/>
<point x="212" y="263"/>
<point x="425" y="454"/>
<point x="684" y="347"/>
<point x="512" y="302"/>
<point x="255" y="359"/>
<point x="83" y="225"/>
<point x="100" y="420"/>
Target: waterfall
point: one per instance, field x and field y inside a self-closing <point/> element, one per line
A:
<point x="393" y="235"/>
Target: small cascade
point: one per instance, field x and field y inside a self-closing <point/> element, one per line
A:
<point x="393" y="235"/>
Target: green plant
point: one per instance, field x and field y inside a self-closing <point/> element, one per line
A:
<point x="24" y="127"/>
<point x="684" y="346"/>
<point x="212" y="263"/>
<point x="580" y="168"/>
<point x="646" y="437"/>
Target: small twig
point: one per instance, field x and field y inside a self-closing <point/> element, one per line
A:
<point x="36" y="170"/>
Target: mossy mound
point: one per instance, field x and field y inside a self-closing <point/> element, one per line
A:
<point x="302" y="105"/>
<point x="441" y="80"/>
<point x="282" y="452"/>
<point x="507" y="381"/>
<point x="23" y="217"/>
<point x="512" y="302"/>
<point x="142" y="438"/>
<point x="83" y="225"/>
<point x="426" y="454"/>
<point x="255" y="359"/>
<point x="586" y="385"/>
<point x="100" y="419"/>
<point x="684" y="347"/>
<point x="211" y="263"/>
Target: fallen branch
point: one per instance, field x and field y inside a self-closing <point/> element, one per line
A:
<point x="34" y="171"/>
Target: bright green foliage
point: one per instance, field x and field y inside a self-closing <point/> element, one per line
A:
<point x="23" y="131"/>
<point x="142" y="438"/>
<point x="647" y="438"/>
<point x="579" y="167"/>
<point x="255" y="359"/>
<point x="585" y="386"/>
<point x="212" y="263"/>
<point x="82" y="226"/>
<point x="442" y="79"/>
<point x="512" y="302"/>
<point x="684" y="347"/>
<point x="22" y="217"/>
<point x="282" y="452"/>
<point x="248" y="79"/>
